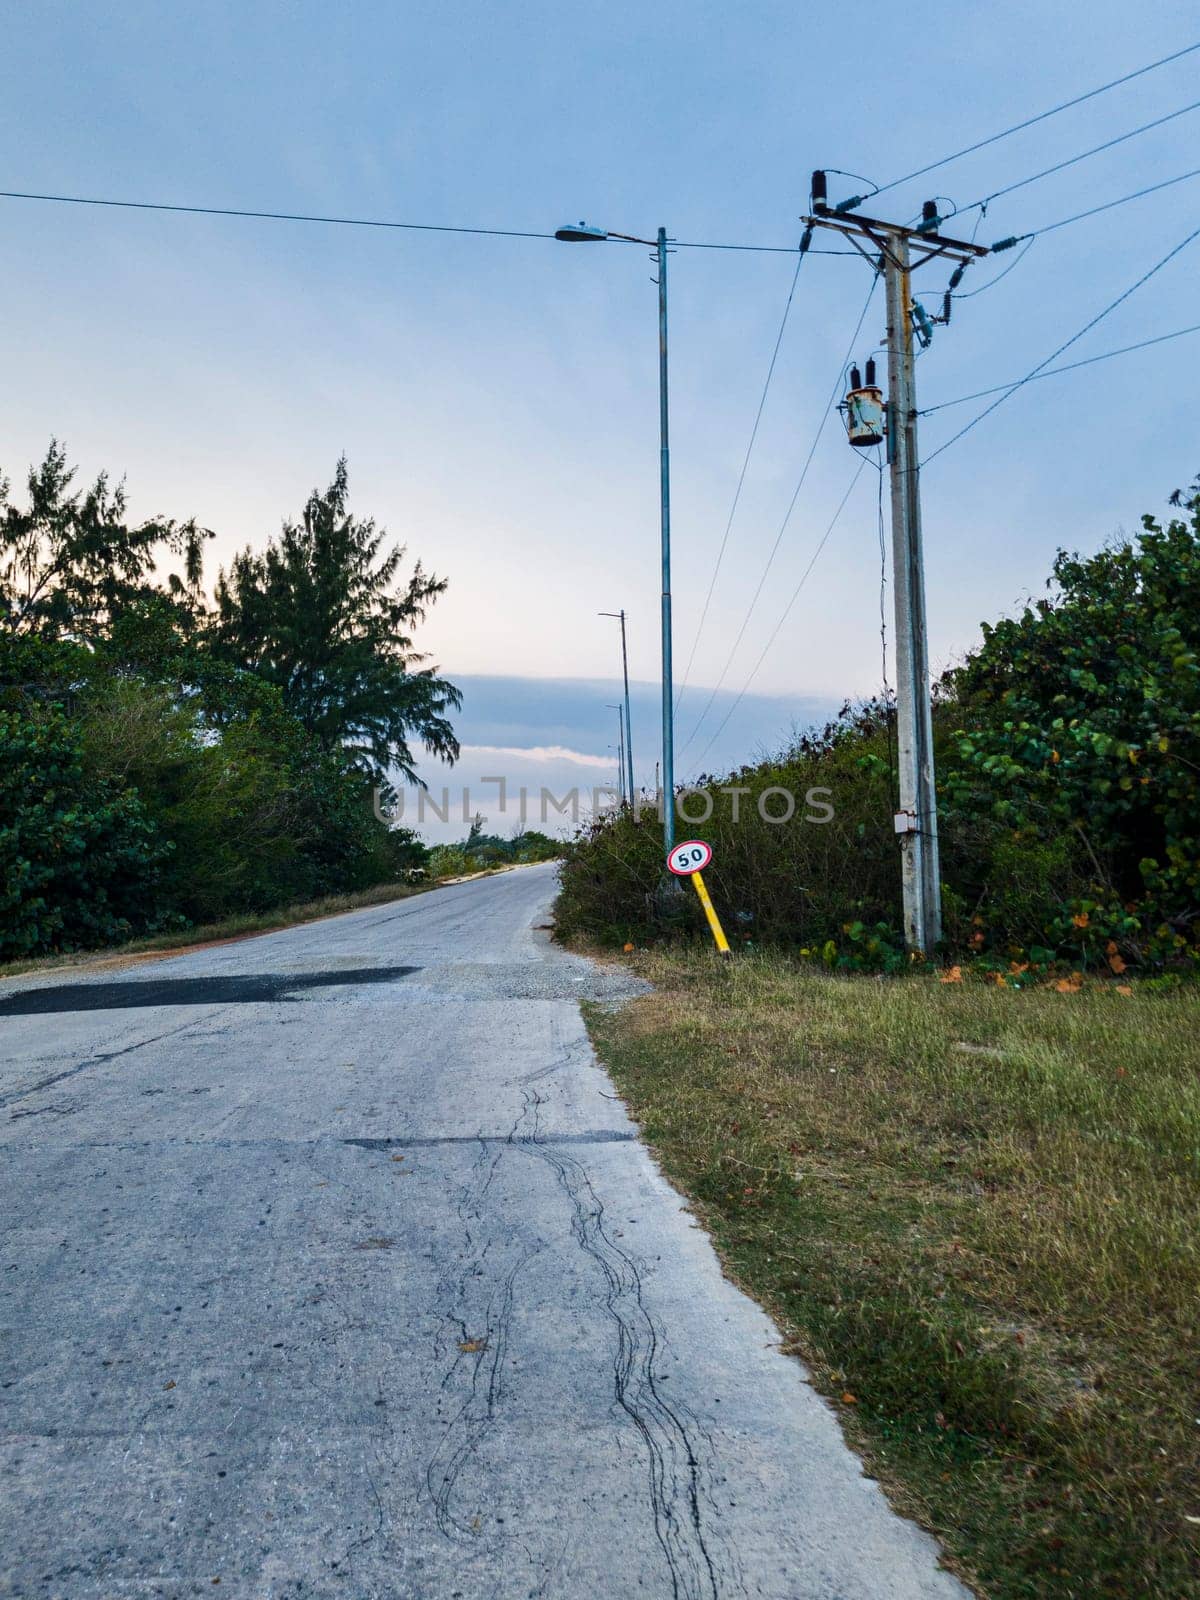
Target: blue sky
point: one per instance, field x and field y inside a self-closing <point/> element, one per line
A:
<point x="497" y="397"/>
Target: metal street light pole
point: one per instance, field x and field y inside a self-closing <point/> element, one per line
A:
<point x="583" y="233"/>
<point x="629" y="789"/>
<point x="668" y="705"/>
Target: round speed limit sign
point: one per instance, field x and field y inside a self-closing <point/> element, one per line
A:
<point x="693" y="855"/>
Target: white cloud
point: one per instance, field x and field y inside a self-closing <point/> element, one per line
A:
<point x="539" y="753"/>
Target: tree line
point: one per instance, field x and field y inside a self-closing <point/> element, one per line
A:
<point x="166" y="759"/>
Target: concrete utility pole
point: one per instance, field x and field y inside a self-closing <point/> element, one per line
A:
<point x="916" y="821"/>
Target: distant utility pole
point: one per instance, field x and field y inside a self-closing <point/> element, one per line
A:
<point x="891" y="250"/>
<point x="629" y="790"/>
<point x="620" y="754"/>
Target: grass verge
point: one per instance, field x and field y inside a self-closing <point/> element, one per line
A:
<point x="973" y="1212"/>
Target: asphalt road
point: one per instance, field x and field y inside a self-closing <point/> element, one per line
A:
<point x="332" y="1266"/>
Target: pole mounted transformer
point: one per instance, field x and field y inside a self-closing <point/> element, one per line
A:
<point x="863" y="409"/>
<point x="896" y="251"/>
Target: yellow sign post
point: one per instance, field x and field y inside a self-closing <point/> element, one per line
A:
<point x="685" y="861"/>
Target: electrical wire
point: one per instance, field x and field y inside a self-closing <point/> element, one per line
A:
<point x="737" y="493"/>
<point x="1061" y="166"/>
<point x="1030" y="122"/>
<point x="787" y="611"/>
<point x="373" y="222"/>
<point x="1108" y="205"/>
<point x="1071" y="366"/>
<point x="969" y="294"/>
<point x="759" y="249"/>
<point x="269" y="216"/>
<point x="1074" y="339"/>
<point x="825" y="415"/>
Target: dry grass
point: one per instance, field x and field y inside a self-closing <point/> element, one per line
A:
<point x="975" y="1211"/>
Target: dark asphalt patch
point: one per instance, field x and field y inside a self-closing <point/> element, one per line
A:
<point x="262" y="988"/>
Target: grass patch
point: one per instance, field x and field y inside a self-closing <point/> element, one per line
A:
<point x="974" y="1212"/>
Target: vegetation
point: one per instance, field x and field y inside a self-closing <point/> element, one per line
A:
<point x="164" y="764"/>
<point x="972" y="1212"/>
<point x="479" y="850"/>
<point x="241" y="925"/>
<point x="319" y="615"/>
<point x="1068" y="749"/>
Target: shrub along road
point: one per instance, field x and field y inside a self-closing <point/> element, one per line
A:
<point x="334" y="1267"/>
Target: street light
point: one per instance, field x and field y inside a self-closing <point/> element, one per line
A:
<point x="584" y="233"/>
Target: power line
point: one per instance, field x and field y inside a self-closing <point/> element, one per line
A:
<point x="759" y="249"/>
<point x="1061" y="166"/>
<point x="1071" y="366"/>
<point x="1074" y="339"/>
<point x="1094" y="211"/>
<point x="1030" y="122"/>
<point x="825" y="415"/>
<point x="969" y="294"/>
<point x="268" y="216"/>
<point x="365" y="222"/>
<point x="737" y="493"/>
<point x="787" y="611"/>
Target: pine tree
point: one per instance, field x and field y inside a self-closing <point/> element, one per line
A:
<point x="325" y="613"/>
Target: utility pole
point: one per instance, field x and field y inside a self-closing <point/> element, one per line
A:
<point x="620" y="754"/>
<point x="891" y="252"/>
<point x="629" y="790"/>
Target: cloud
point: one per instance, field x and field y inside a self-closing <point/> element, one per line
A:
<point x="539" y="753"/>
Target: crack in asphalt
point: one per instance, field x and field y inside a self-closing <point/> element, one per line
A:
<point x="92" y="1061"/>
<point x="678" y="1451"/>
<point x="676" y="1473"/>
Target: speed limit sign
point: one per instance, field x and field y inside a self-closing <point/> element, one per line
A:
<point x="693" y="855"/>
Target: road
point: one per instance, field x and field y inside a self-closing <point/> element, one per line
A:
<point x="332" y="1266"/>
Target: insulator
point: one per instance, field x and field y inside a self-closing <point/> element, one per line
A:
<point x="929" y="213"/>
<point x="946" y="299"/>
<point x="855" y="378"/>
<point x="805" y="240"/>
<point x="956" y="277"/>
<point x="870" y="372"/>
<point x="820" y="194"/>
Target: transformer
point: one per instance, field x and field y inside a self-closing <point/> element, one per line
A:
<point x="863" y="409"/>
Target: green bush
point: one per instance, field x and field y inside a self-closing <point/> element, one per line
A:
<point x="1067" y="751"/>
<point x="802" y="882"/>
<point x="81" y="859"/>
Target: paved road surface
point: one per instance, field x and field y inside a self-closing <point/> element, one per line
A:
<point x="332" y="1267"/>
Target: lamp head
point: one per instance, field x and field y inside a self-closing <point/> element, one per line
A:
<point x="580" y="233"/>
